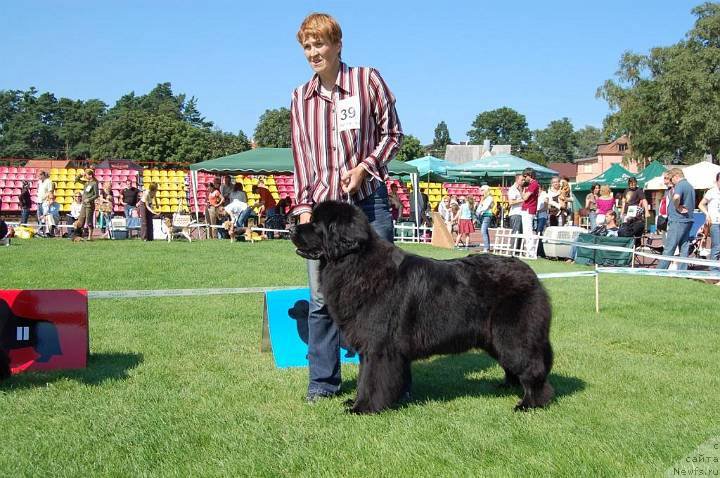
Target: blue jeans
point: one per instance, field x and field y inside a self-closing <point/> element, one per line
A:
<point x="323" y="334"/>
<point x="241" y="220"/>
<point x="24" y="215"/>
<point x="516" y="228"/>
<point x="128" y="209"/>
<point x="593" y="219"/>
<point x="484" y="229"/>
<point x="541" y="223"/>
<point x="678" y="235"/>
<point x="715" y="244"/>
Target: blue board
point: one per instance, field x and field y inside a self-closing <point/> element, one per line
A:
<point x="286" y="315"/>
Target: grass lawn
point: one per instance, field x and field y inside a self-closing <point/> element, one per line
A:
<point x="177" y="386"/>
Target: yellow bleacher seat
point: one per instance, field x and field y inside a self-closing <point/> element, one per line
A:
<point x="165" y="209"/>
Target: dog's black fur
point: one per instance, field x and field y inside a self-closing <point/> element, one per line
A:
<point x="394" y="307"/>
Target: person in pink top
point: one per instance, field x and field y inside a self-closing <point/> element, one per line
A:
<point x="605" y="203"/>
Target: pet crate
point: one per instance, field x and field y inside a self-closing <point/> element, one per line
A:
<point x="118" y="228"/>
<point x="563" y="233"/>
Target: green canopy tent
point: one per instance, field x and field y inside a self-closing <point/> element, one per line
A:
<point x="270" y="161"/>
<point x="431" y="168"/>
<point x="652" y="170"/>
<point x="615" y="176"/>
<point x="498" y="166"/>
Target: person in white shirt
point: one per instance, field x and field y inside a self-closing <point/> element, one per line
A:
<point x="44" y="187"/>
<point x="484" y="213"/>
<point x="710" y="205"/>
<point x="542" y="210"/>
<point x="239" y="212"/>
<point x="515" y="201"/>
<point x="554" y="205"/>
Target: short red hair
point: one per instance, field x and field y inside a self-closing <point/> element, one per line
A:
<point x="320" y="25"/>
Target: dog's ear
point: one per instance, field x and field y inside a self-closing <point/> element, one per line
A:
<point x="343" y="237"/>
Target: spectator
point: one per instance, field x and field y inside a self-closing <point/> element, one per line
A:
<point x="632" y="196"/>
<point x="44" y="187"/>
<point x="215" y="200"/>
<point x="50" y="217"/>
<point x="608" y="228"/>
<point x="710" y="205"/>
<point x="129" y="197"/>
<point x="239" y="212"/>
<point x="554" y="201"/>
<point x="515" y="201"/>
<point x="25" y="202"/>
<point x="591" y="204"/>
<point x="267" y="202"/>
<point x="104" y="206"/>
<point x="454" y="217"/>
<point x="226" y="189"/>
<point x="75" y="208"/>
<point x="417" y="208"/>
<point x="604" y="203"/>
<point x="661" y="221"/>
<point x="680" y="219"/>
<point x="238" y="193"/>
<point x="465" y="221"/>
<point x="566" y="203"/>
<point x="426" y="207"/>
<point x="542" y="210"/>
<point x="444" y="208"/>
<point x="394" y="201"/>
<point x="146" y="211"/>
<point x="484" y="214"/>
<point x="531" y="191"/>
<point x="89" y="195"/>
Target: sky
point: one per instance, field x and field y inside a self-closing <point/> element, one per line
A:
<point x="444" y="61"/>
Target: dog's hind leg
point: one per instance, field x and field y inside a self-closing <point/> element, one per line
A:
<point x="381" y="382"/>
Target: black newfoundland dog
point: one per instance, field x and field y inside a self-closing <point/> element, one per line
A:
<point x="394" y="307"/>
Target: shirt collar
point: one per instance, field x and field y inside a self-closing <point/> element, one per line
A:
<point x="342" y="82"/>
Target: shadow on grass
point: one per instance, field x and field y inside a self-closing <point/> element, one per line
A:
<point x="449" y="377"/>
<point x="100" y="369"/>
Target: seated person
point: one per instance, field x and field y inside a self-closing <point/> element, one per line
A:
<point x="50" y="216"/>
<point x="75" y="207"/>
<point x="609" y="229"/>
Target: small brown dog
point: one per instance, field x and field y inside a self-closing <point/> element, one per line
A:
<point x="77" y="232"/>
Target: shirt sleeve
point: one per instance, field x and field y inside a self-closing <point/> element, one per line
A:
<point x="304" y="173"/>
<point x="387" y="123"/>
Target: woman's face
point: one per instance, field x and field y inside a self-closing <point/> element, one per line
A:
<point x="323" y="57"/>
<point x="596" y="190"/>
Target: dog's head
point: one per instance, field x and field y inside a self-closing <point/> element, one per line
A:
<point x="335" y="230"/>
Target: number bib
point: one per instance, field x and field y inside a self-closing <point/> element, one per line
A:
<point x="348" y="113"/>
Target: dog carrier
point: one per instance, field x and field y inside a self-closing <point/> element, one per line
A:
<point x="564" y="233"/>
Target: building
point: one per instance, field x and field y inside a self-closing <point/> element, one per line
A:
<point x="607" y="155"/>
<point x="565" y="170"/>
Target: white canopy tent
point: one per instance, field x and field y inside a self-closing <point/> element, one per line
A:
<point x="700" y="175"/>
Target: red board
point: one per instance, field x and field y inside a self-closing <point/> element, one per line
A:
<point x="44" y="329"/>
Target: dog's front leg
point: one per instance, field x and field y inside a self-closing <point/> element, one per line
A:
<point x="381" y="382"/>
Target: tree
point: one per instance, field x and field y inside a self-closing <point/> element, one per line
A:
<point x="557" y="141"/>
<point x="532" y="152"/>
<point x="668" y="100"/>
<point x="586" y="141"/>
<point x="441" y="140"/>
<point x="273" y="129"/>
<point x="410" y="149"/>
<point x="501" y="126"/>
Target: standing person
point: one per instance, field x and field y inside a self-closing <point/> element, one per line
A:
<point x="661" y="221"/>
<point x="515" y="201"/>
<point x="267" y="201"/>
<point x="632" y="196"/>
<point x="44" y="187"/>
<point x="542" y="210"/>
<point x="444" y="208"/>
<point x="605" y="203"/>
<point x="89" y="195"/>
<point x="529" y="209"/>
<point x="226" y="189"/>
<point x="238" y="193"/>
<point x="344" y="133"/>
<point x="680" y="219"/>
<point x="395" y="203"/>
<point x="484" y="214"/>
<point x="465" y="221"/>
<point x="25" y="202"/>
<point x="554" y="201"/>
<point x="146" y="211"/>
<point x="710" y="205"/>
<point x="214" y="201"/>
<point x="129" y="197"/>
<point x="566" y="203"/>
<point x="591" y="204"/>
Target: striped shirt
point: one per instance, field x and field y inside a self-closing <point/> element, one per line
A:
<point x="322" y="153"/>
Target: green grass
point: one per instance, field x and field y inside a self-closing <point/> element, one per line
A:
<point x="178" y="387"/>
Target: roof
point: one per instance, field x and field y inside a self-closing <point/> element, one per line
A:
<point x="564" y="169"/>
<point x="272" y="160"/>
<point x="47" y="163"/>
<point x="614" y="146"/>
